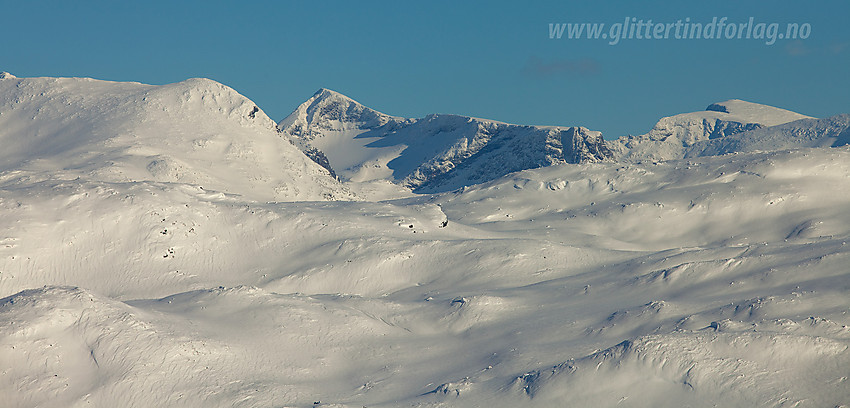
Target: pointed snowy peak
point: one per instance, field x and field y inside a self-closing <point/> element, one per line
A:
<point x="334" y="106"/>
<point x="323" y="98"/>
<point x="329" y="110"/>
<point x="325" y="128"/>
<point x="331" y="96"/>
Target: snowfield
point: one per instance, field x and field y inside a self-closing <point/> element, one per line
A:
<point x="172" y="246"/>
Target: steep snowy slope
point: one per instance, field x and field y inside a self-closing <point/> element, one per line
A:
<point x="197" y="132"/>
<point x="671" y="137"/>
<point x="435" y="153"/>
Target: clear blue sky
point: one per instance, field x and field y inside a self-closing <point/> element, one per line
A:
<point x="490" y="59"/>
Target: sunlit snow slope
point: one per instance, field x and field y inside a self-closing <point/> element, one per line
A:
<point x="195" y="132"/>
<point x="712" y="281"/>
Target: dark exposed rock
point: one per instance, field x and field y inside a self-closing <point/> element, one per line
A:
<point x="716" y="107"/>
<point x="317" y="156"/>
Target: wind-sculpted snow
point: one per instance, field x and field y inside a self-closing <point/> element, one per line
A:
<point x="717" y="365"/>
<point x="710" y="281"/>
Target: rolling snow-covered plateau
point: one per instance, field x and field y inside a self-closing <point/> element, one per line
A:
<point x="174" y="246"/>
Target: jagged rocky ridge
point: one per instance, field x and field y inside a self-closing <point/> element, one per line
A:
<point x="436" y="153"/>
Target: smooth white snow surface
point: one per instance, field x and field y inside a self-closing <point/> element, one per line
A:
<point x="714" y="281"/>
<point x="195" y="132"/>
<point x="748" y="112"/>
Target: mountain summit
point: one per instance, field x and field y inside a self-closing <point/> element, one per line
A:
<point x="329" y="110"/>
<point x="196" y="132"/>
<point x="671" y="137"/>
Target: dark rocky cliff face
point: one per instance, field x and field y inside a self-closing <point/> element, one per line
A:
<point x="586" y="147"/>
<point x="317" y="156"/>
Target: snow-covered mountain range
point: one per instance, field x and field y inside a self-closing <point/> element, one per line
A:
<point x="443" y="152"/>
<point x="434" y="153"/>
<point x="173" y="246"/>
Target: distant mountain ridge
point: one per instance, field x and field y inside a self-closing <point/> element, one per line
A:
<point x="672" y="137"/>
<point x="441" y="152"/>
<point x="204" y="133"/>
<point x="436" y="153"/>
